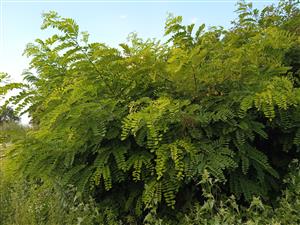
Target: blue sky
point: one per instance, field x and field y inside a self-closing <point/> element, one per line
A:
<point x="108" y="22"/>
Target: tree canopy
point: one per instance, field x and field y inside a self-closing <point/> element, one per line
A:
<point x="8" y="115"/>
<point x="141" y="126"/>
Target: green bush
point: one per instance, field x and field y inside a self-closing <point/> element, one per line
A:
<point x="138" y="128"/>
<point x="33" y="203"/>
<point x="228" y="211"/>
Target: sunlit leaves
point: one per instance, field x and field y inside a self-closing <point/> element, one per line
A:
<point x="147" y="121"/>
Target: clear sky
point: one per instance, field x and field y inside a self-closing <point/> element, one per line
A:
<point x="106" y="21"/>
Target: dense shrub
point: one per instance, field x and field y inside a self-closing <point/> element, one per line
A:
<point x="153" y="130"/>
<point x="32" y="203"/>
<point x="228" y="211"/>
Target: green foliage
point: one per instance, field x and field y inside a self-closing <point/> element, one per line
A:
<point x="24" y="202"/>
<point x="228" y="211"/>
<point x="142" y="127"/>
